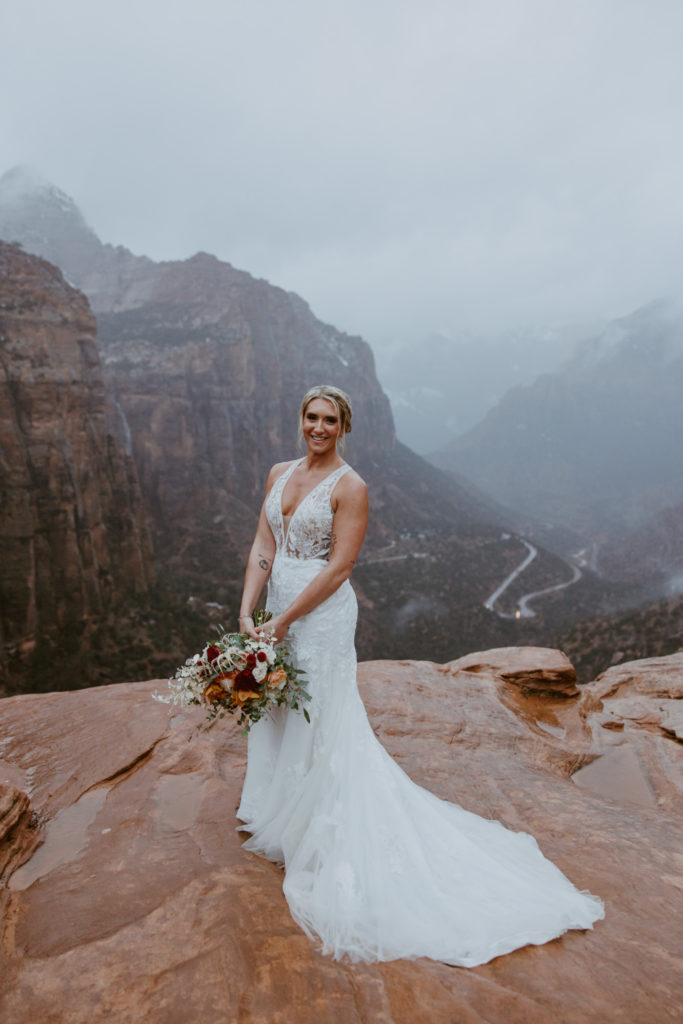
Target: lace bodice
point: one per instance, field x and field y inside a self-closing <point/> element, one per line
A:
<point x="309" y="529"/>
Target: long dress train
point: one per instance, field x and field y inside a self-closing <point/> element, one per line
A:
<point x="377" y="867"/>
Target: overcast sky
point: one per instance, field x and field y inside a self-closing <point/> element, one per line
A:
<point x="404" y="165"/>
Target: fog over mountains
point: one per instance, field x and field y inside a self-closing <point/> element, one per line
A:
<point x="443" y="385"/>
<point x="596" y="445"/>
<point x="198" y="369"/>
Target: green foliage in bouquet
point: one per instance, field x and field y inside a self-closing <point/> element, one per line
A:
<point x="235" y="674"/>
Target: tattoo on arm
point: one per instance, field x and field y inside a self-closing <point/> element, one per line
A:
<point x="264" y="563"/>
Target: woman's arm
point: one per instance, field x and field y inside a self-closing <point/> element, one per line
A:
<point x="348" y="530"/>
<point x="260" y="561"/>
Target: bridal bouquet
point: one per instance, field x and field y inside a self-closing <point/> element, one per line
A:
<point x="238" y="675"/>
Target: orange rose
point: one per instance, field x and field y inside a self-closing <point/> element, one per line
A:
<point x="239" y="697"/>
<point x="213" y="693"/>
<point x="276" y="679"/>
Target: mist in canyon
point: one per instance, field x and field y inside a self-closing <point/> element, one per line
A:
<point x="470" y="218"/>
<point x="412" y="169"/>
<point x="179" y="358"/>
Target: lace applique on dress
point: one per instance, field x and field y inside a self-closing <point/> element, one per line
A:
<point x="308" y="533"/>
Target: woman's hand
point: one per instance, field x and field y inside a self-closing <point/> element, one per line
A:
<point x="276" y="627"/>
<point x="246" y="625"/>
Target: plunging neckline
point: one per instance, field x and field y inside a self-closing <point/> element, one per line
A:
<point x="285" y="478"/>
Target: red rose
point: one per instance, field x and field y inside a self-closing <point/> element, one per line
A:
<point x="212" y="652"/>
<point x="261" y="655"/>
<point x="244" y="680"/>
<point x="251" y="660"/>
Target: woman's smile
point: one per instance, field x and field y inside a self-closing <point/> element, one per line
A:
<point x="321" y="424"/>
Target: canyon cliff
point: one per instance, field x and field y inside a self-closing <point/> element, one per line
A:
<point x="208" y="374"/>
<point x="127" y="895"/>
<point x="205" y="366"/>
<point x="73" y="539"/>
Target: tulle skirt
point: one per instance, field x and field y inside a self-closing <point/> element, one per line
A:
<point x="376" y="867"/>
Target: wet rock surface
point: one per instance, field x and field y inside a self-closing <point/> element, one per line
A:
<point x="634" y="712"/>
<point x="141" y="904"/>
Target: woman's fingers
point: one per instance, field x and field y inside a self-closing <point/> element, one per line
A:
<point x="272" y="630"/>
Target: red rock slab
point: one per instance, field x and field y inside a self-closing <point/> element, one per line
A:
<point x="634" y="713"/>
<point x="142" y="905"/>
<point x="18" y="833"/>
<point x="534" y="669"/>
<point x="657" y="677"/>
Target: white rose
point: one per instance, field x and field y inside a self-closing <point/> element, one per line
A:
<point x="260" y="671"/>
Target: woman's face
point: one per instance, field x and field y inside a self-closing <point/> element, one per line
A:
<point x="321" y="426"/>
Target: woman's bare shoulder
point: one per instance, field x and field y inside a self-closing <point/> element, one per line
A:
<point x="354" y="480"/>
<point x="352" y="486"/>
<point x="277" y="470"/>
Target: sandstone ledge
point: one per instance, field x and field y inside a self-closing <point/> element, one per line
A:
<point x="534" y="669"/>
<point x="141" y="904"/>
<point x="18" y="836"/>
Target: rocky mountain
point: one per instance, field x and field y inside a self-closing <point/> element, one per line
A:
<point x="204" y="367"/>
<point x="45" y="221"/>
<point x="443" y="385"/>
<point x="73" y="538"/>
<point x="596" y="446"/>
<point x="126" y="893"/>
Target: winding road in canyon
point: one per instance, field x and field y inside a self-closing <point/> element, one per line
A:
<point x="497" y="594"/>
<point x="526" y="612"/>
<point x="523" y="611"/>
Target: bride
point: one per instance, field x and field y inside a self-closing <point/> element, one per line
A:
<point x="376" y="867"/>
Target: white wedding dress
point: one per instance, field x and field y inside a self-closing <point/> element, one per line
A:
<point x="375" y="866"/>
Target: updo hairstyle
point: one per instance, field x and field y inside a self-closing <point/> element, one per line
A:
<point x="341" y="402"/>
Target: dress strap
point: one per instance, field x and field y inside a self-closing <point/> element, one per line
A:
<point x="330" y="482"/>
<point x="279" y="484"/>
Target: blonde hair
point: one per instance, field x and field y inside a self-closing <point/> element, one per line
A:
<point x="341" y="402"/>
